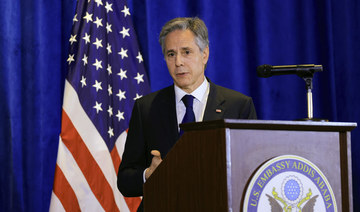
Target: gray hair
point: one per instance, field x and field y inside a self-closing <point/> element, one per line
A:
<point x="196" y="25"/>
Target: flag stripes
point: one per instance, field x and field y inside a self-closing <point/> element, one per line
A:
<point x="55" y="204"/>
<point x="87" y="131"/>
<point x="116" y="159"/>
<point x="76" y="166"/>
<point x="63" y="190"/>
<point x="89" y="167"/>
<point x="84" y="196"/>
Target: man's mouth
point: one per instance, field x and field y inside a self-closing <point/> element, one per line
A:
<point x="181" y="73"/>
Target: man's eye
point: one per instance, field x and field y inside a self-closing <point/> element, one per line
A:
<point x="187" y="52"/>
<point x="171" y="55"/>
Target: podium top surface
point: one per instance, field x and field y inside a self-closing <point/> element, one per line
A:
<point x="270" y="125"/>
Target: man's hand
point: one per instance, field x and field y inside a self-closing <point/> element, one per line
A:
<point x="156" y="160"/>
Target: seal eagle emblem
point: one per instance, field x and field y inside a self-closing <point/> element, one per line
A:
<point x="289" y="183"/>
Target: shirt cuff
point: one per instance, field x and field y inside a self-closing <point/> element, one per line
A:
<point x="144" y="179"/>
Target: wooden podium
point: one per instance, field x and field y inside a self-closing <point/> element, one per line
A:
<point x="209" y="168"/>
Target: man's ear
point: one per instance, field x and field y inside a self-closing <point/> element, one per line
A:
<point x="205" y="55"/>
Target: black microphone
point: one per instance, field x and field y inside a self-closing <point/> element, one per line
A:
<point x="306" y="70"/>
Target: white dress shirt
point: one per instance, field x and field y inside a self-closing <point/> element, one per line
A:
<point x="200" y="98"/>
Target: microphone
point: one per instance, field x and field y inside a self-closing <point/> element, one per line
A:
<point x="306" y="70"/>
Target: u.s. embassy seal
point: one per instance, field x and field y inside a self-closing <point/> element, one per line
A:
<point x="289" y="183"/>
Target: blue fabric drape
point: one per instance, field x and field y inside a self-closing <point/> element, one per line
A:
<point x="34" y="35"/>
<point x="243" y="34"/>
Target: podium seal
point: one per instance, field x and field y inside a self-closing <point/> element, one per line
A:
<point x="289" y="183"/>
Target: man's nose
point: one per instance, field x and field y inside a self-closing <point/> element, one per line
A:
<point x="178" y="60"/>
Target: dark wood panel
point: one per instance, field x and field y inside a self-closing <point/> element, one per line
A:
<point x="346" y="173"/>
<point x="192" y="177"/>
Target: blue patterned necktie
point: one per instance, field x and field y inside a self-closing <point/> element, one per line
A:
<point x="189" y="114"/>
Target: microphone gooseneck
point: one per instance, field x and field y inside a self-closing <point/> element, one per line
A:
<point x="306" y="70"/>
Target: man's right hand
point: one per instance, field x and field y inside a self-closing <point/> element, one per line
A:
<point x="156" y="160"/>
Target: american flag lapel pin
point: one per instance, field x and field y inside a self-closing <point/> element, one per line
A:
<point x="218" y="110"/>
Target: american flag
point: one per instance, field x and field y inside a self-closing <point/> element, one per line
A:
<point x="106" y="75"/>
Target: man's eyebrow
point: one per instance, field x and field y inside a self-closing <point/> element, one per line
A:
<point x="186" y="48"/>
<point x="170" y="51"/>
<point x="183" y="49"/>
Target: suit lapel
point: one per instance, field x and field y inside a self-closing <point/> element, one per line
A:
<point x="214" y="109"/>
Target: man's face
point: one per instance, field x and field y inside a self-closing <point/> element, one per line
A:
<point x="185" y="61"/>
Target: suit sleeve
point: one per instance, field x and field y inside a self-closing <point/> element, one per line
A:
<point x="130" y="174"/>
<point x="245" y="108"/>
<point x="251" y="109"/>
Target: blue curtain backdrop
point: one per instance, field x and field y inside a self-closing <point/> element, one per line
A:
<point x="243" y="34"/>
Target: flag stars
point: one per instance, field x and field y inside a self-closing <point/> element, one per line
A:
<point x="137" y="96"/>
<point x="139" y="57"/>
<point x="91" y="39"/>
<point x="109" y="90"/>
<point x="86" y="38"/>
<point x="75" y="19"/>
<point x="125" y="11"/>
<point x="70" y="58"/>
<point x="108" y="48"/>
<point x="83" y="81"/>
<point x="98" y="107"/>
<point x="108" y="27"/>
<point x="110" y="111"/>
<point x="98" y="22"/>
<point x="111" y="132"/>
<point x="125" y="32"/>
<point x="108" y="7"/>
<point x="97" y="85"/>
<point x="98" y="43"/>
<point x="121" y="95"/>
<point x="120" y="115"/>
<point x="88" y="17"/>
<point x="139" y="78"/>
<point x="109" y="69"/>
<point x="97" y="64"/>
<point x="123" y="53"/>
<point x="122" y="74"/>
<point x="98" y="2"/>
<point x="85" y="59"/>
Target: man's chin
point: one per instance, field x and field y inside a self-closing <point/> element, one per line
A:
<point x="183" y="85"/>
<point x="182" y="82"/>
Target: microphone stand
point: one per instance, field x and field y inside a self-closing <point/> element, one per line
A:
<point x="309" y="85"/>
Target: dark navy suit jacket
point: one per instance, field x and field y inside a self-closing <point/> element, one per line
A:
<point x="153" y="126"/>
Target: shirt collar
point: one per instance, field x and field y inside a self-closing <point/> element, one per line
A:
<point x="198" y="93"/>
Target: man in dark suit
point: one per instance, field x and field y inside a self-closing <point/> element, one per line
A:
<point x="155" y="119"/>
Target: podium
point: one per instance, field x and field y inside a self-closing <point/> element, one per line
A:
<point x="211" y="165"/>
